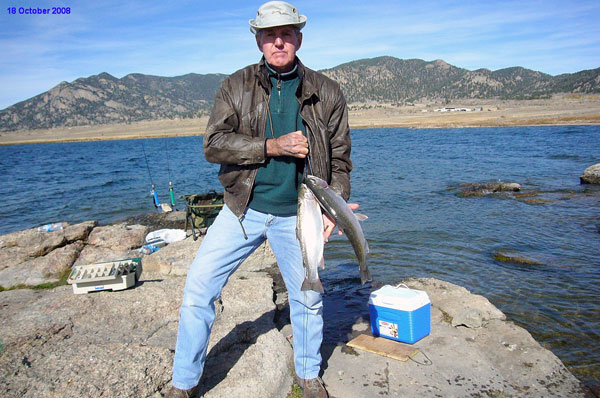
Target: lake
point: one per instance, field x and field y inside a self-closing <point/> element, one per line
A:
<point x="407" y="181"/>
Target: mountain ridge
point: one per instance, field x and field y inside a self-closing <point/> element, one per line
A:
<point x="104" y="99"/>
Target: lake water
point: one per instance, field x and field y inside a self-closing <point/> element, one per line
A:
<point x="406" y="181"/>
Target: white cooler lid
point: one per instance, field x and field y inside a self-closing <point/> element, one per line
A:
<point x="399" y="298"/>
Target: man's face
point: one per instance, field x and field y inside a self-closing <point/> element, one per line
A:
<point x="279" y="45"/>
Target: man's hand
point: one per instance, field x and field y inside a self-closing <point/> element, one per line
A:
<point x="329" y="223"/>
<point x="292" y="144"/>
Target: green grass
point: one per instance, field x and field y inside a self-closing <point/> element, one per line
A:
<point x="62" y="280"/>
<point x="296" y="391"/>
<point x="446" y="317"/>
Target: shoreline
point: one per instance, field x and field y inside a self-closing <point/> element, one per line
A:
<point x="40" y="139"/>
<point x="565" y="110"/>
<point x="55" y="340"/>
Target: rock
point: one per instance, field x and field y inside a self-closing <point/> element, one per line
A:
<point x="79" y="231"/>
<point x="245" y="335"/>
<point x="31" y="257"/>
<point x="509" y="187"/>
<point x="97" y="254"/>
<point x="360" y="327"/>
<point x="470" y="317"/>
<point x="118" y="237"/>
<point x="515" y="258"/>
<point x="50" y="267"/>
<point x="498" y="359"/>
<point x="55" y="343"/>
<point x="12" y="256"/>
<point x="261" y="259"/>
<point x="487" y="188"/>
<point x="270" y="356"/>
<point x="33" y="243"/>
<point x="74" y="346"/>
<point x="591" y="175"/>
<point x="174" y="258"/>
<point x="455" y="301"/>
<point x="244" y="297"/>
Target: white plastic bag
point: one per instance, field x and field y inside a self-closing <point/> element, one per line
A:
<point x="168" y="235"/>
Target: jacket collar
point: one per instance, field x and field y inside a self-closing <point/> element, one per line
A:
<point x="307" y="85"/>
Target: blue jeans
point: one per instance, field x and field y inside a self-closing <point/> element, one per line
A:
<point x="221" y="253"/>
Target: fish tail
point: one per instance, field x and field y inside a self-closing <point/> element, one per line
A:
<point x="316" y="285"/>
<point x="365" y="275"/>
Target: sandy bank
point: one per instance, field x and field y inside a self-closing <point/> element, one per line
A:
<point x="559" y="110"/>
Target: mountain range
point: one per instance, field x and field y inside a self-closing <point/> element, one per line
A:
<point x="102" y="98"/>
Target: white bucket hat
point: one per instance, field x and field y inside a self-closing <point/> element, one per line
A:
<point x="276" y="13"/>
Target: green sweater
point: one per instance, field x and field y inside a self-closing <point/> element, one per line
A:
<point x="277" y="181"/>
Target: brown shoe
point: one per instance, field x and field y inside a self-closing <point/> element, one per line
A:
<point x="177" y="393"/>
<point x="312" y="388"/>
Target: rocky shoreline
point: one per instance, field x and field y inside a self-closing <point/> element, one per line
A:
<point x="58" y="344"/>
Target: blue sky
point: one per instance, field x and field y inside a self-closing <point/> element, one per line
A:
<point x="178" y="37"/>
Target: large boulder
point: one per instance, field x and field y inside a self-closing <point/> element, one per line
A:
<point x="52" y="266"/>
<point x="91" y="254"/>
<point x="31" y="257"/>
<point x="121" y="344"/>
<point x="482" y="355"/>
<point x="591" y="175"/>
<point x="460" y="307"/>
<point x="56" y="343"/>
<point x="245" y="345"/>
<point x="119" y="236"/>
<point x="112" y="243"/>
<point x="173" y="259"/>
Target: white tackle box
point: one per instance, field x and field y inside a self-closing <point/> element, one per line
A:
<point x="111" y="275"/>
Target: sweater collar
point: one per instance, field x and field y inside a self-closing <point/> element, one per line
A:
<point x="308" y="88"/>
<point x="282" y="76"/>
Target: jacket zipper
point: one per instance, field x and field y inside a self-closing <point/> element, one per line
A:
<point x="278" y="93"/>
<point x="252" y="176"/>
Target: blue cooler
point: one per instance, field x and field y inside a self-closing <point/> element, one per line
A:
<point x="400" y="313"/>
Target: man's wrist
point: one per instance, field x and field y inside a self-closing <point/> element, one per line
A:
<point x="271" y="147"/>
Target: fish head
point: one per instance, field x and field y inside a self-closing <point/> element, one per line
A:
<point x="314" y="181"/>
<point x="304" y="192"/>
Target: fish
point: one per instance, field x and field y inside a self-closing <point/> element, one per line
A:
<point x="346" y="219"/>
<point x="309" y="231"/>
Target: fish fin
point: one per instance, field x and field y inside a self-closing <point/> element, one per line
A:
<point x="367" y="250"/>
<point x="360" y="217"/>
<point x="322" y="263"/>
<point x="365" y="275"/>
<point x="317" y="286"/>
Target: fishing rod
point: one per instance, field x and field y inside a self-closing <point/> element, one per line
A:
<point x="171" y="193"/>
<point x="153" y="191"/>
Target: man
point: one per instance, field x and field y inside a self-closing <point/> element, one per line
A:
<point x="268" y="121"/>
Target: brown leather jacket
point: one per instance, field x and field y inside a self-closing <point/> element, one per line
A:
<point x="235" y="135"/>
